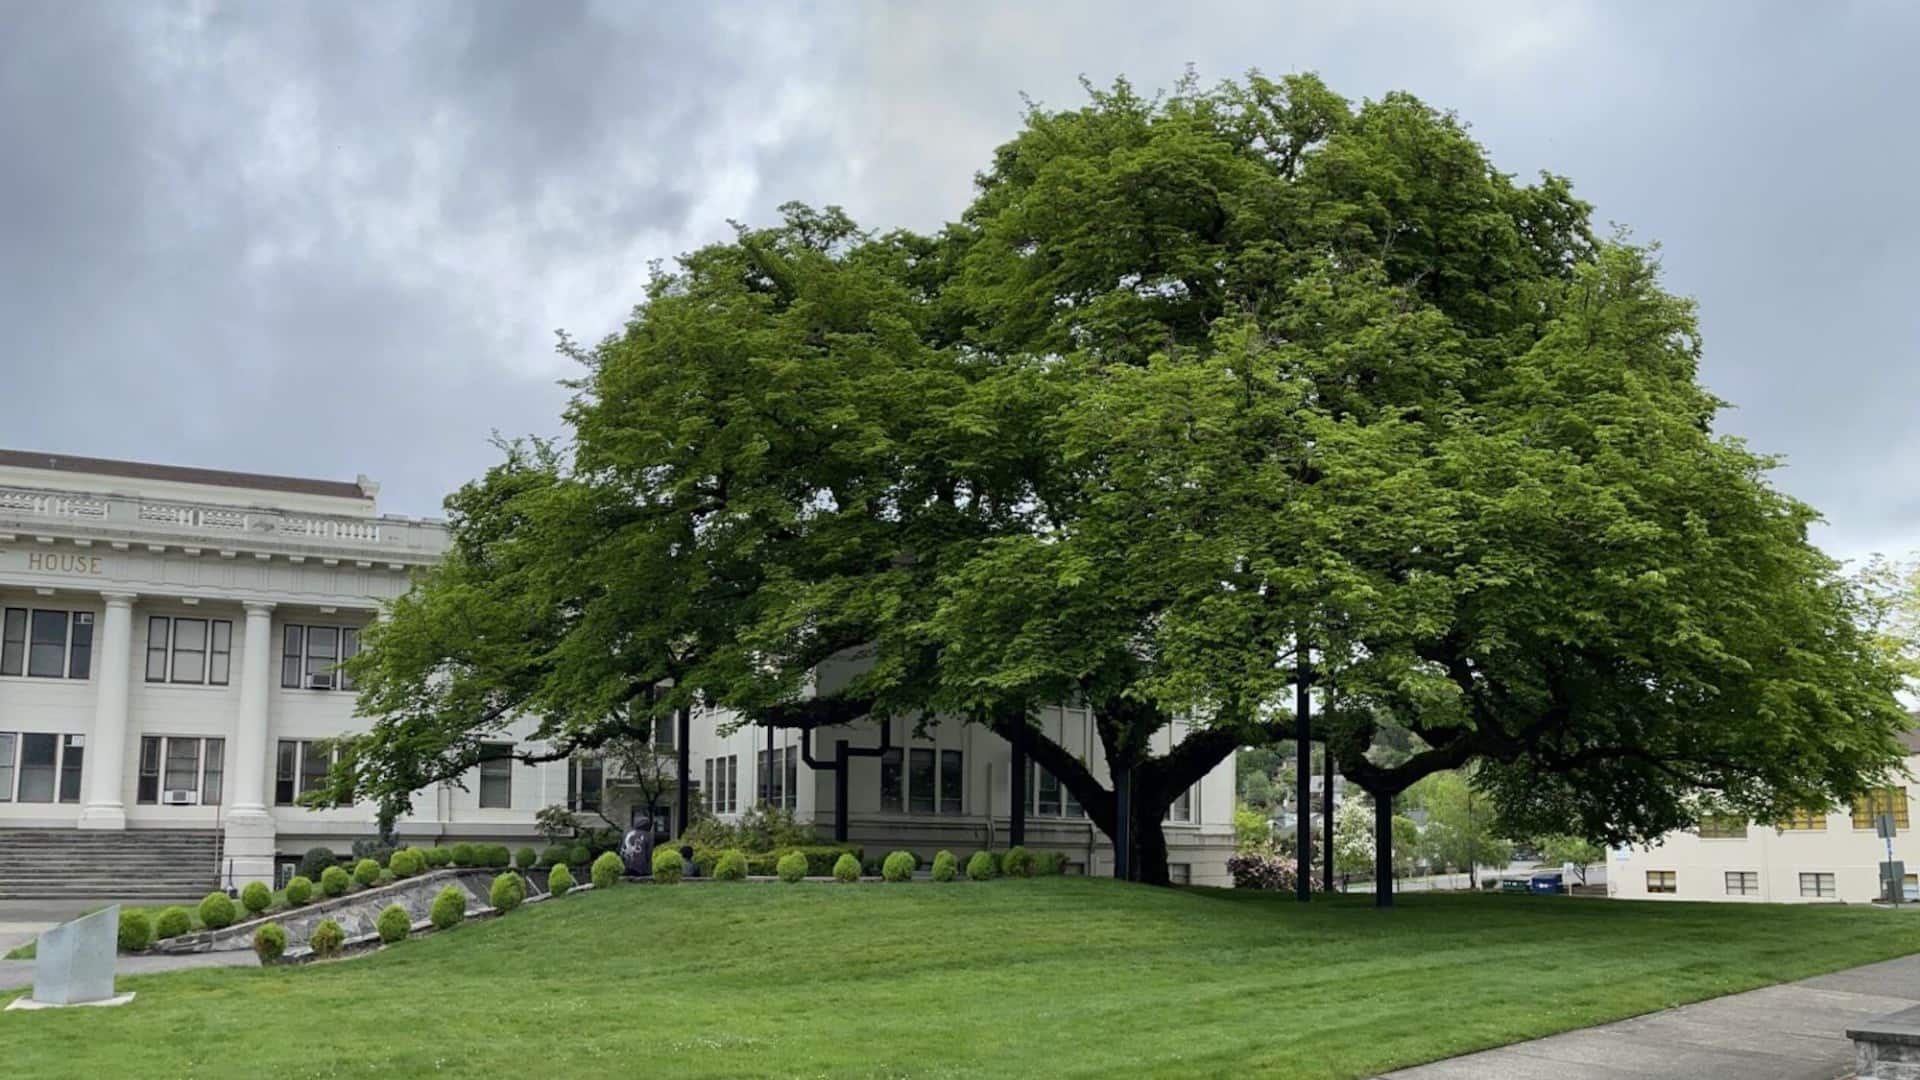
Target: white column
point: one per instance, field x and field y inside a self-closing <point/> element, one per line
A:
<point x="250" y="828"/>
<point x="107" y="749"/>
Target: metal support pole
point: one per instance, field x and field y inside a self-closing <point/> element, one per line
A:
<point x="767" y="766"/>
<point x="683" y="764"/>
<point x="840" y="792"/>
<point x="1382" y="849"/>
<point x="1326" y="819"/>
<point x="1017" y="787"/>
<point x="1303" y="780"/>
<point x="1123" y="825"/>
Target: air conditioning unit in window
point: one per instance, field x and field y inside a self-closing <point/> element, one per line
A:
<point x="178" y="797"/>
<point x="320" y="681"/>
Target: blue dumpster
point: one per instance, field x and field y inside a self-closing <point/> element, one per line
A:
<point x="1547" y="883"/>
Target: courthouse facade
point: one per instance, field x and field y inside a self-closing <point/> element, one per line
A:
<point x="168" y="648"/>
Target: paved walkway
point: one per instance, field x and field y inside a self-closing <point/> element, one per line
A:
<point x="1794" y="1031"/>
<point x="22" y="920"/>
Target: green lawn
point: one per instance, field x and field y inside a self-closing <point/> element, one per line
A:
<point x="1058" y="977"/>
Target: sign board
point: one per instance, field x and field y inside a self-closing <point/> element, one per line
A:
<point x="1883" y="826"/>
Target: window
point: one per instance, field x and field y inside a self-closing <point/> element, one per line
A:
<point x="585" y="778"/>
<point x="733" y="782"/>
<point x="723" y="777"/>
<point x="891" y="790"/>
<point x="1889" y="800"/>
<point x="46" y="644"/>
<point x="1179" y="873"/>
<point x="1182" y="807"/>
<point x="177" y="763"/>
<point x="713" y="806"/>
<point x="1662" y="881"/>
<point x="213" y="774"/>
<point x="1043" y="791"/>
<point x="189" y="651"/>
<point x="349" y="648"/>
<point x="793" y="778"/>
<point x="157" y="626"/>
<point x="197" y="651"/>
<point x="183" y="765"/>
<point x="1818" y="886"/>
<point x="72" y="750"/>
<point x="285" y="769"/>
<point x="1743" y="883"/>
<point x="39" y="759"/>
<point x="1910" y="887"/>
<point x="293" y="644"/>
<point x="314" y="762"/>
<point x="299" y="767"/>
<point x="323" y="653"/>
<point x="952" y="781"/>
<point x="220" y="653"/>
<point x="1722" y="827"/>
<point x="310" y="656"/>
<point x="920" y="781"/>
<point x="1805" y="821"/>
<point x="496" y="776"/>
<point x="7" y="740"/>
<point x="663" y="731"/>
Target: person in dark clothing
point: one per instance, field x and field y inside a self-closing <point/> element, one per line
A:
<point x="688" y="868"/>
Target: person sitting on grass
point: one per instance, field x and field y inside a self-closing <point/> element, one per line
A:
<point x="688" y="868"/>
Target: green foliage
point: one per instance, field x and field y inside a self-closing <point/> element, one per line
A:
<point x="792" y="867"/>
<point x="559" y="879"/>
<point x="315" y="862"/>
<point x="846" y="869"/>
<point x="366" y="872"/>
<point x="1252" y="829"/>
<point x="465" y="854"/>
<point x="217" y="911"/>
<point x="449" y="907"/>
<point x="299" y="891"/>
<point x="394" y="923"/>
<point x="666" y="866"/>
<point x="327" y="939"/>
<point x="607" y="871"/>
<point x="334" y="881"/>
<point x="439" y="856"/>
<point x="579" y="855"/>
<point x="1017" y="862"/>
<point x="1561" y="849"/>
<point x="256" y="897"/>
<point x="1049" y="863"/>
<point x="945" y="866"/>
<point x="171" y="923"/>
<point x="525" y="858"/>
<point x="982" y="866"/>
<point x="509" y="891"/>
<point x="899" y="866"/>
<point x="1461" y="829"/>
<point x="555" y="854"/>
<point x="731" y="866"/>
<point x="407" y="862"/>
<point x="269" y="942"/>
<point x="136" y="929"/>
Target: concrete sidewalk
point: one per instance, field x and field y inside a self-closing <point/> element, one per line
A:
<point x="22" y="920"/>
<point x="1794" y="1031"/>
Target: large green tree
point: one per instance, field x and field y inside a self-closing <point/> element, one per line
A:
<point x="1203" y="392"/>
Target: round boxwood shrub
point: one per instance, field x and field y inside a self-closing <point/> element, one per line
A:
<point x="136" y="929"/>
<point x="579" y="855"/>
<point x="407" y="862"/>
<point x="449" y="907"/>
<point x="980" y="867"/>
<point x="945" y="866"/>
<point x="256" y="897"/>
<point x="333" y="881"/>
<point x="499" y="857"/>
<point x="791" y="867"/>
<point x="666" y="866"/>
<point x="525" y="858"/>
<point x="315" y="862"/>
<point x="607" y="870"/>
<point x="327" y="938"/>
<point x="299" y="891"/>
<point x="1017" y="862"/>
<point x="269" y="942"/>
<point x="394" y="923"/>
<point x="846" y="868"/>
<point x="366" y="872"/>
<point x="730" y="866"/>
<point x="559" y="879"/>
<point x="899" y="866"/>
<point x="555" y="854"/>
<point x="439" y="856"/>
<point x="465" y="855"/>
<point x="508" y="891"/>
<point x="172" y="922"/>
<point x="216" y="911"/>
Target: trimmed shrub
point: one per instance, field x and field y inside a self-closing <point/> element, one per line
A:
<point x="870" y="866"/>
<point x="847" y="869"/>
<point x="559" y="879"/>
<point x="299" y="891"/>
<point x="172" y="922"/>
<point x="579" y="855"/>
<point x="407" y="862"/>
<point x="525" y="858"/>
<point x="334" y="881"/>
<point x="136" y="929"/>
<point x="495" y="856"/>
<point x="465" y="855"/>
<point x="439" y="856"/>
<point x="256" y="897"/>
<point x="386" y="877"/>
<point x="366" y="872"/>
<point x="509" y="891"/>
<point x="980" y="867"/>
<point x="269" y="942"/>
<point x="1049" y="863"/>
<point x="731" y="866"/>
<point x="327" y="938"/>
<point x="792" y="867"/>
<point x="1017" y="862"/>
<point x="449" y="907"/>
<point x="899" y="866"/>
<point x="394" y="924"/>
<point x="555" y="854"/>
<point x="607" y="870"/>
<point x="315" y="862"/>
<point x="945" y="866"/>
<point x="216" y="911"/>
<point x="666" y="866"/>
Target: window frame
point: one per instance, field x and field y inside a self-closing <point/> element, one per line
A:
<point x="1721" y="827"/>
<point x="501" y="768"/>
<point x="1826" y="885"/>
<point x="51" y="767"/>
<point x="1667" y="885"/>
<point x="1881" y="800"/>
<point x="17" y="643"/>
<point x="8" y="771"/>
<point x="1749" y="882"/>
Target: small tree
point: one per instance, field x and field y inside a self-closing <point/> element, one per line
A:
<point x="1564" y="849"/>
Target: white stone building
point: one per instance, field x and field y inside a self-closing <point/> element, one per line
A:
<point x="166" y="675"/>
<point x="1831" y="857"/>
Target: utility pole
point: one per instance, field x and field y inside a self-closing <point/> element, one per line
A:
<point x="1303" y="777"/>
<point x="1326" y="818"/>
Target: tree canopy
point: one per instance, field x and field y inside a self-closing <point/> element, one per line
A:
<point x="1199" y="387"/>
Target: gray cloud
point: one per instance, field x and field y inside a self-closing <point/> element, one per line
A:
<point x="325" y="239"/>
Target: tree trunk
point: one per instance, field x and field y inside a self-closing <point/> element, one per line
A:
<point x="1150" y="852"/>
<point x="1326" y="820"/>
<point x="1382" y="849"/>
<point x="1303" y="783"/>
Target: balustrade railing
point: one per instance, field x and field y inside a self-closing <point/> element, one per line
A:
<point x="27" y="506"/>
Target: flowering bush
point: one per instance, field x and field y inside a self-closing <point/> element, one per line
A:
<point x="1254" y="870"/>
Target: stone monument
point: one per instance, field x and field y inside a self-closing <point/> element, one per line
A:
<point x="74" y="962"/>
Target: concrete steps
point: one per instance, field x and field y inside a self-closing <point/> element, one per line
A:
<point x="138" y="864"/>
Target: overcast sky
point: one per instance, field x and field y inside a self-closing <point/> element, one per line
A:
<point x="329" y="239"/>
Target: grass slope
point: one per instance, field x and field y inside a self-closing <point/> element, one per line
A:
<point x="1059" y="977"/>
